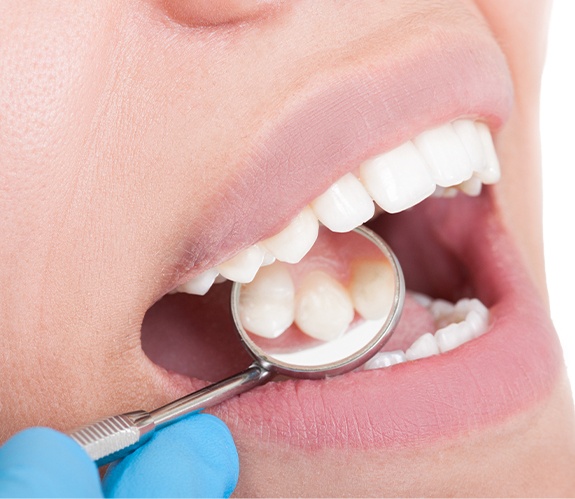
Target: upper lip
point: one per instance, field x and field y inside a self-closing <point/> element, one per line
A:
<point x="334" y="123"/>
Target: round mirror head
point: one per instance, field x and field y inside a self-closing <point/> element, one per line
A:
<point x="327" y="314"/>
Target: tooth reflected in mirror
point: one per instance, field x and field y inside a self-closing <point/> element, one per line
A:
<point x="329" y="305"/>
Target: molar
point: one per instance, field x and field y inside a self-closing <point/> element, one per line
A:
<point x="372" y="288"/>
<point x="323" y="307"/>
<point x="267" y="304"/>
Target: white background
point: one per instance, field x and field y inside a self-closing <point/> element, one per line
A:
<point x="558" y="145"/>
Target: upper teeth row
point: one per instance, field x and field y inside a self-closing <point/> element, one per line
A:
<point x="455" y="155"/>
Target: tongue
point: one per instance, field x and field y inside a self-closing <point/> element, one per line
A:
<point x="195" y="335"/>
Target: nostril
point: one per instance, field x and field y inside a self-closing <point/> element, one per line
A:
<point x="217" y="12"/>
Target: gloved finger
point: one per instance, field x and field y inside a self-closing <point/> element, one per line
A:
<point x="195" y="457"/>
<point x="41" y="462"/>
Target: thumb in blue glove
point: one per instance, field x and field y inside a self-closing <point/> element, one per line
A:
<point x="40" y="462"/>
<point x="193" y="457"/>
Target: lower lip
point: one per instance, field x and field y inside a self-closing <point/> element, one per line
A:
<point x="508" y="369"/>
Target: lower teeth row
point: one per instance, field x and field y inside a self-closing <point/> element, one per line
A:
<point x="456" y="324"/>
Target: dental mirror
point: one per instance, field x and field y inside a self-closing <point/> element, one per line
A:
<point x="322" y="317"/>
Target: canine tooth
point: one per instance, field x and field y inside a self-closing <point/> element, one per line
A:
<point x="292" y="243"/>
<point x="385" y="359"/>
<point x="371" y="288"/>
<point x="424" y="346"/>
<point x="445" y="155"/>
<point x="469" y="136"/>
<point x="453" y="335"/>
<point x="472" y="186"/>
<point x="490" y="173"/>
<point x="344" y="206"/>
<point x="200" y="284"/>
<point x="243" y="266"/>
<point x="323" y="307"/>
<point x="267" y="304"/>
<point x="398" y="179"/>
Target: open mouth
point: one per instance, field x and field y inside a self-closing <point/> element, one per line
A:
<point x="473" y="344"/>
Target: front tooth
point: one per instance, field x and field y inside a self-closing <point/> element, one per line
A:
<point x="344" y="206"/>
<point x="323" y="307"/>
<point x="200" y="284"/>
<point x="490" y="173"/>
<point x="371" y="289"/>
<point x="452" y="336"/>
<point x="445" y="155"/>
<point x="244" y="266"/>
<point x="398" y="179"/>
<point x="385" y="359"/>
<point x="292" y="244"/>
<point x="267" y="304"/>
<point x="469" y="136"/>
<point x="424" y="346"/>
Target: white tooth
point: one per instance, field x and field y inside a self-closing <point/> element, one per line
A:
<point x="243" y="266"/>
<point x="452" y="336"/>
<point x="372" y="288"/>
<point x="200" y="284"/>
<point x="421" y="298"/>
<point x="440" y="309"/>
<point x="344" y="206"/>
<point x="267" y="304"/>
<point x="477" y="323"/>
<point x="385" y="359"/>
<point x="292" y="243"/>
<point x="472" y="186"/>
<point x="445" y="155"/>
<point x="424" y="346"/>
<point x="323" y="307"/>
<point x="490" y="173"/>
<point x="469" y="136"/>
<point x="268" y="258"/>
<point x="398" y="179"/>
<point x="444" y="192"/>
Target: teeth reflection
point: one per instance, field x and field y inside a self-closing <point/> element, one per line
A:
<point x="267" y="304"/>
<point x="323" y="307"/>
<point x="372" y="288"/>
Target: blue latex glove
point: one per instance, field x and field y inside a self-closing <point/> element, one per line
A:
<point x="195" y="457"/>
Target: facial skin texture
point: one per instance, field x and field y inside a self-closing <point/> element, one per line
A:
<point x="119" y="126"/>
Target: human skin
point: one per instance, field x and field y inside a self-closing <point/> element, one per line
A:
<point x="120" y="127"/>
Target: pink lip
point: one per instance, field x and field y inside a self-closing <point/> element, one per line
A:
<point x="325" y="132"/>
<point x="512" y="366"/>
<point x="318" y="137"/>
